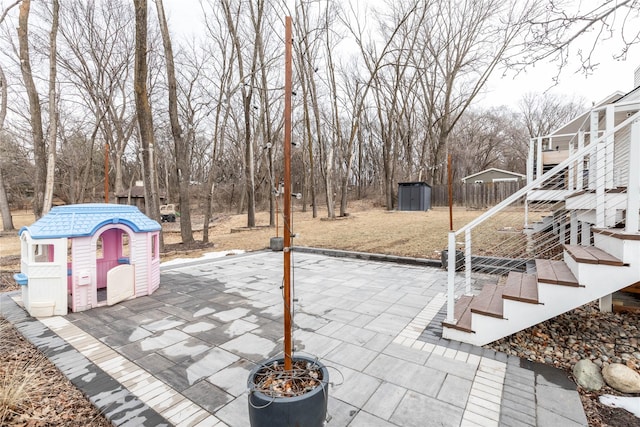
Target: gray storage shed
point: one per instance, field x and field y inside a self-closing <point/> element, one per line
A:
<point x="414" y="196"/>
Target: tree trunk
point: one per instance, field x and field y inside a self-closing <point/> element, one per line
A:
<point x="247" y="94"/>
<point x="181" y="151"/>
<point x="249" y="171"/>
<point x="218" y="130"/>
<point x="7" y="220"/>
<point x="360" y="163"/>
<point x="39" y="149"/>
<point x="5" y="210"/>
<point x="306" y="59"/>
<point x="86" y="173"/>
<point x="53" y="113"/>
<point x="145" y="119"/>
<point x="337" y="132"/>
<point x="265" y="122"/>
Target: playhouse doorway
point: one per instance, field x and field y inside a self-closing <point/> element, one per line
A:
<point x="115" y="278"/>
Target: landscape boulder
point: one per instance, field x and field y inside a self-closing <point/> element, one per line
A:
<point x="587" y="375"/>
<point x="621" y="378"/>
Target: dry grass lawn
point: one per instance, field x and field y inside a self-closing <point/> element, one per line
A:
<point x="413" y="234"/>
<point x="366" y="229"/>
<point x="9" y="241"/>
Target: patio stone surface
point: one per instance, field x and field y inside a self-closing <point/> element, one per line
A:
<point x="182" y="355"/>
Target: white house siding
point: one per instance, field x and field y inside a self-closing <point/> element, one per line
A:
<point x="623" y="138"/>
<point x="621" y="157"/>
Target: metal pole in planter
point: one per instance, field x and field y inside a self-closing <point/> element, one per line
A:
<point x="287" y="195"/>
<point x="288" y="391"/>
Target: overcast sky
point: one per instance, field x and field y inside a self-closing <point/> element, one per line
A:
<point x="610" y="76"/>
<point x="185" y="18"/>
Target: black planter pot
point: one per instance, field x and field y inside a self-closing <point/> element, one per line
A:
<point x="307" y="410"/>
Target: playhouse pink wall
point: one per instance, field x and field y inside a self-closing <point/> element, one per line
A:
<point x="85" y="263"/>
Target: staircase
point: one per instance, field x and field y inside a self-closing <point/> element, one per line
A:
<point x="550" y="222"/>
<point x="585" y="274"/>
<point x="573" y="255"/>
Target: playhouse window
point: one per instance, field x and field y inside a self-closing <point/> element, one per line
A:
<point x="125" y="246"/>
<point x="99" y="250"/>
<point x="154" y="247"/>
<point x="43" y="253"/>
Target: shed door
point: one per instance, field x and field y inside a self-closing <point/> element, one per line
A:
<point x="415" y="198"/>
<point x="120" y="283"/>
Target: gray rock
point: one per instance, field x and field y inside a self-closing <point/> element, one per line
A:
<point x="587" y="375"/>
<point x="622" y="378"/>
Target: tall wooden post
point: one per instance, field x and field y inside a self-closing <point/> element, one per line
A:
<point x="286" y="233"/>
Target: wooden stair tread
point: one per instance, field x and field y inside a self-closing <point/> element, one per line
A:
<point x="591" y="255"/>
<point x="489" y="301"/>
<point x="521" y="287"/>
<point x="617" y="233"/>
<point x="555" y="272"/>
<point x="462" y="313"/>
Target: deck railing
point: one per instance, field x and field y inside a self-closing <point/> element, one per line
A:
<point x="507" y="235"/>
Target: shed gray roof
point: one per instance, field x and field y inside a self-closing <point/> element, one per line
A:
<point x="86" y="219"/>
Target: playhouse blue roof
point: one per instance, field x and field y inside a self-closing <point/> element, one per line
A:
<point x="86" y="219"/>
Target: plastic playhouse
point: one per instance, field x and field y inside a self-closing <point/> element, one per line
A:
<point x="78" y="257"/>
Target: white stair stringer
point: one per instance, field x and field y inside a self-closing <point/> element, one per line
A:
<point x="553" y="301"/>
<point x="603" y="276"/>
<point x="628" y="251"/>
<point x="596" y="281"/>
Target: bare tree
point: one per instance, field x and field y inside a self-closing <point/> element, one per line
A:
<point x="563" y="30"/>
<point x="460" y="46"/>
<point x="221" y="80"/>
<point x="39" y="146"/>
<point x="542" y="113"/>
<point x="96" y="59"/>
<point x="267" y="126"/>
<point x="312" y="33"/>
<point x="183" y="167"/>
<point x="5" y="210"/>
<point x="493" y="138"/>
<point x="248" y="79"/>
<point x="145" y="118"/>
<point x="391" y="114"/>
<point x="53" y="111"/>
<point x="375" y="61"/>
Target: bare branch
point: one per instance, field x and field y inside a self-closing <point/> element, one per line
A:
<point x="6" y="11"/>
